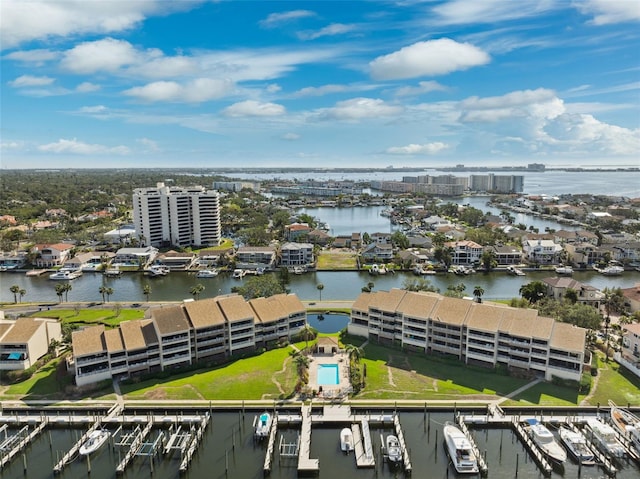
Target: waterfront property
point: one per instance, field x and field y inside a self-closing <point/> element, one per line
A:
<point x="25" y="340"/>
<point x="476" y="333"/>
<point x="179" y="335"/>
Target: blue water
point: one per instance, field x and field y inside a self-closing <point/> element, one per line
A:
<point x="327" y="374"/>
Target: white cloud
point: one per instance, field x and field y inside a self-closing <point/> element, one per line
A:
<point x="24" y="21"/>
<point x="11" y="145"/>
<point x="423" y="87"/>
<point x="361" y="108"/>
<point x="606" y="12"/>
<point x="93" y="109"/>
<point x="433" y="57"/>
<point x="290" y="136"/>
<point x="540" y="103"/>
<point x="458" y="12"/>
<point x="37" y="57"/>
<point x="80" y="148"/>
<point x="194" y="91"/>
<point x="276" y="19"/>
<point x="328" y="31"/>
<point x="320" y="91"/>
<point x="87" y="87"/>
<point x="254" y="108"/>
<point x="30" y="81"/>
<point x="107" y="54"/>
<point x="150" y="145"/>
<point x="414" y="149"/>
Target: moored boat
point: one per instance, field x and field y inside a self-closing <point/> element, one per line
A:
<point x="564" y="270"/>
<point x="207" y="273"/>
<point x="515" y="271"/>
<point x="393" y="449"/>
<point x="346" y="440"/>
<point x="627" y="423"/>
<point x="577" y="446"/>
<point x="604" y="437"/>
<point x="158" y="270"/>
<point x="263" y="424"/>
<point x="65" y="275"/>
<point x="94" y="442"/>
<point x="611" y="270"/>
<point x="545" y="440"/>
<point x="460" y="450"/>
<point x="239" y="273"/>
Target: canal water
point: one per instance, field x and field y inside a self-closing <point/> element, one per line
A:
<point x="228" y="450"/>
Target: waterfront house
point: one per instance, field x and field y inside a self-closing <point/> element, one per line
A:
<point x="13" y="259"/>
<point x="629" y="356"/>
<point x="557" y="289"/>
<point x="296" y="254"/>
<point x="632" y="298"/>
<point x="465" y="252"/>
<point x="25" y="340"/>
<point x="342" y="241"/>
<point x="254" y="257"/>
<point x="381" y="238"/>
<point x="211" y="257"/>
<point x="79" y="261"/>
<point x="176" y="260"/>
<point x="122" y="234"/>
<point x="296" y="230"/>
<point x="541" y="251"/>
<point x="51" y="255"/>
<point x="138" y="257"/>
<point x="377" y="252"/>
<point x="319" y="237"/>
<point x="476" y="333"/>
<point x="506" y="254"/>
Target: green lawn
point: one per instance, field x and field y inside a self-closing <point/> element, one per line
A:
<point x="92" y="316"/>
<point x="337" y="260"/>
<point x="546" y="394"/>
<point x="45" y="382"/>
<point x="250" y="378"/>
<point x="618" y="384"/>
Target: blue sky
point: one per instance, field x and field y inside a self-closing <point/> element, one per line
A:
<point x="331" y="83"/>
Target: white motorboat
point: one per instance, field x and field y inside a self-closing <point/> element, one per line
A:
<point x="545" y="440"/>
<point x="564" y="270"/>
<point x="627" y="423"/>
<point x="611" y="270"/>
<point x="239" y="273"/>
<point x="346" y="440"/>
<point x="394" y="451"/>
<point x="515" y="271"/>
<point x="460" y="450"/>
<point x="604" y="437"/>
<point x="65" y="275"/>
<point x="263" y="424"/>
<point x="158" y="270"/>
<point x="577" y="445"/>
<point x="95" y="441"/>
<point x="207" y="273"/>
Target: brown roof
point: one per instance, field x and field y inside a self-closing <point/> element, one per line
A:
<point x="88" y="341"/>
<point x="568" y="337"/>
<point x="632" y="328"/>
<point x="132" y="336"/>
<point x="170" y="320"/>
<point x="419" y="305"/>
<point x="291" y="303"/>
<point x="388" y="301"/>
<point x="485" y="317"/>
<point x="113" y="340"/>
<point x="204" y="313"/>
<point x="4" y="327"/>
<point x="23" y="330"/>
<point x="363" y="302"/>
<point x="148" y="332"/>
<point x="539" y="327"/>
<point x="268" y="310"/>
<point x="235" y="308"/>
<point x="451" y="310"/>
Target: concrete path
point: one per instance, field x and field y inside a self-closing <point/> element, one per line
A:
<point x="512" y="394"/>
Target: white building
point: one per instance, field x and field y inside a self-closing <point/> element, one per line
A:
<point x="177" y="216"/>
<point x="25" y="340"/>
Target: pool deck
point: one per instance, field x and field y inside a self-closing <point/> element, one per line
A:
<point x="329" y="390"/>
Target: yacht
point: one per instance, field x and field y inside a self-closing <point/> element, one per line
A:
<point x="94" y="442"/>
<point x="564" y="270"/>
<point x="627" y="423"/>
<point x="158" y="270"/>
<point x="545" y="440"/>
<point x="346" y="440"/>
<point x="65" y="275"/>
<point x="460" y="450"/>
<point x="394" y="451"/>
<point x="604" y="437"/>
<point x="238" y="273"/>
<point x="263" y="425"/>
<point x="576" y="444"/>
<point x="515" y="271"/>
<point x="207" y="273"/>
<point x="612" y="270"/>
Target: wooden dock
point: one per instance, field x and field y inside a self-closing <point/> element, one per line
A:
<point x="305" y="463"/>
<point x="534" y="450"/>
<point x="195" y="442"/>
<point x="406" y="460"/>
<point x="133" y="449"/>
<point x="74" y="451"/>
<point x="362" y="444"/>
<point x="482" y="465"/>
<point x="268" y="458"/>
<point x="22" y="439"/>
<point x="603" y="460"/>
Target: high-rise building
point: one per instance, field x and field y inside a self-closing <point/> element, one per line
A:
<point x="497" y="183"/>
<point x="177" y="216"/>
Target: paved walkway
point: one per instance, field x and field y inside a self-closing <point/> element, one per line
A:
<point x="512" y="394"/>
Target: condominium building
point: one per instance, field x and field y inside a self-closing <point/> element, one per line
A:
<point x="476" y="333"/>
<point x="177" y="216"/>
<point x="497" y="183"/>
<point x="25" y="340"/>
<point x="178" y="335"/>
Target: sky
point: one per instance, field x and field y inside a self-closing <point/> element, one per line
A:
<point x="206" y="84"/>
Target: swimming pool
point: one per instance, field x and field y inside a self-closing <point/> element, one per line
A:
<point x="328" y="374"/>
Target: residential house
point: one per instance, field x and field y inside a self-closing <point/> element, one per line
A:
<point x="13" y="259"/>
<point x="50" y="255"/>
<point x="541" y="251"/>
<point x="632" y="298"/>
<point x="296" y="254"/>
<point x="254" y="257"/>
<point x="584" y="254"/>
<point x="319" y="237"/>
<point x="506" y="254"/>
<point x="381" y="238"/>
<point x="342" y="241"/>
<point x="79" y="261"/>
<point x="135" y="256"/>
<point x="212" y="257"/>
<point x="296" y="230"/>
<point x="25" y="340"/>
<point x="356" y="240"/>
<point x="377" y="252"/>
<point x="465" y="252"/>
<point x="629" y="356"/>
<point x="123" y="234"/>
<point x="557" y="289"/>
<point x="477" y="333"/>
<point x="176" y="260"/>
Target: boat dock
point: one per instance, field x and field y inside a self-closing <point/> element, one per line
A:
<point x="603" y="460"/>
<point x="305" y="463"/>
<point x="362" y="444"/>
<point x="482" y="465"/>
<point x="74" y="451"/>
<point x="534" y="450"/>
<point x="400" y="435"/>
<point x="16" y="442"/>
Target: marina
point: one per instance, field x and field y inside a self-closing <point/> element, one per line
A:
<point x="303" y="439"/>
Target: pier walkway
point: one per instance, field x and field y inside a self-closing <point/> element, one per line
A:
<point x="305" y="463"/>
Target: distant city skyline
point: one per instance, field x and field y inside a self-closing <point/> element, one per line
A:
<point x="205" y="84"/>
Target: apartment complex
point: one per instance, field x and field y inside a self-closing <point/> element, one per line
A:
<point x="181" y="334"/>
<point x="497" y="183"/>
<point x="25" y="340"/>
<point x="177" y="216"/>
<point x="476" y="333"/>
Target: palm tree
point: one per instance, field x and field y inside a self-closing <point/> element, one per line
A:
<point x="146" y="290"/>
<point x="60" y="291"/>
<point x="354" y="352"/>
<point x="108" y="292"/>
<point x="320" y="287"/>
<point x="102" y="290"/>
<point x="67" y="288"/>
<point x="307" y="333"/>
<point x="15" y="289"/>
<point x="478" y="292"/>
<point x="22" y="292"/>
<point x="196" y="290"/>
